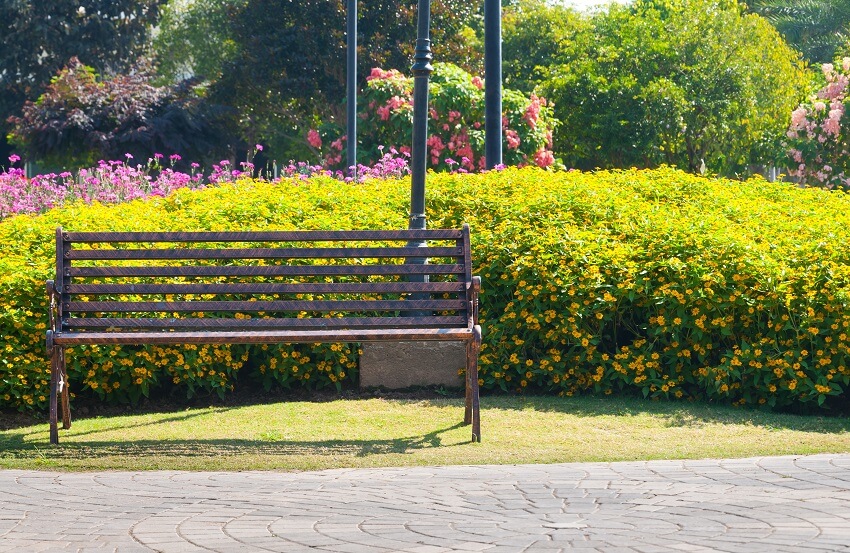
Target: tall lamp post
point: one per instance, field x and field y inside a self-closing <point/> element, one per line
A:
<point x="351" y="89"/>
<point x="419" y="153"/>
<point x="493" y="82"/>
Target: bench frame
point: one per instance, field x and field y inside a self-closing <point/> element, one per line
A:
<point x="411" y="313"/>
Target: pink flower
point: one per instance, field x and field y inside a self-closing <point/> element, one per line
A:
<point x="258" y="147"/>
<point x="544" y="158"/>
<point x="14" y="158"/>
<point x="832" y="125"/>
<point x="378" y="73"/>
<point x="798" y="117"/>
<point x="478" y="82"/>
<point x="532" y="112"/>
<point x="313" y="138"/>
<point x="396" y="102"/>
<point x="512" y="138"/>
<point x="384" y="113"/>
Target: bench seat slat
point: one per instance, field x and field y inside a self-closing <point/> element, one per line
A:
<point x="268" y="270"/>
<point x="253" y="306"/>
<point x="215" y="323"/>
<point x="268" y="288"/>
<point x="263" y="336"/>
<point x="266" y="236"/>
<point x="262" y="253"/>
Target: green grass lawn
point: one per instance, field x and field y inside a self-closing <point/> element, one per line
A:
<point x="303" y="435"/>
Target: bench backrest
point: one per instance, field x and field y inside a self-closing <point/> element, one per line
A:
<point x="263" y="280"/>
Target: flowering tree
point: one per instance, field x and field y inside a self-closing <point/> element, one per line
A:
<point x="456" y="124"/>
<point x="818" y="144"/>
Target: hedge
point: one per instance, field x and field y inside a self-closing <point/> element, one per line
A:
<point x="653" y="282"/>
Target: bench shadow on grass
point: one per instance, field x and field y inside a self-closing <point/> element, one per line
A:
<point x="20" y="444"/>
<point x="675" y="413"/>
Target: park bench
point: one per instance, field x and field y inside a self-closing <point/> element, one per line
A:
<point x="274" y="287"/>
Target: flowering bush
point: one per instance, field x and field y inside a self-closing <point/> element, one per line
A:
<point x="456" y="122"/>
<point x="818" y="147"/>
<point x="652" y="282"/>
<point x="118" y="181"/>
<point x="108" y="182"/>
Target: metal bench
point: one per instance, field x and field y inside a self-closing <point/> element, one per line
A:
<point x="116" y="288"/>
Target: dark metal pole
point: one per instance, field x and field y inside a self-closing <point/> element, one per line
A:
<point x="493" y="82"/>
<point x="419" y="153"/>
<point x="351" y="74"/>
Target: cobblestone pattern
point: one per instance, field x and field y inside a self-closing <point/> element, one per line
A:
<point x="776" y="504"/>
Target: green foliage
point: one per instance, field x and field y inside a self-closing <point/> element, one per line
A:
<point x="675" y="82"/>
<point x="80" y="119"/>
<point x="536" y="35"/>
<point x="818" y="28"/>
<point x="281" y="65"/>
<point x="652" y="282"/>
<point x="39" y="38"/>
<point x="194" y="39"/>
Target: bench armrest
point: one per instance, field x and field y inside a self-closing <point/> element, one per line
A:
<point x="476" y="289"/>
<point x="53" y="304"/>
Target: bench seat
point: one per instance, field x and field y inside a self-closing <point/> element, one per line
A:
<point x="262" y="337"/>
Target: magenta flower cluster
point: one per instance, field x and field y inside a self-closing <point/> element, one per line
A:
<point x="121" y="181"/>
<point x="109" y="182"/>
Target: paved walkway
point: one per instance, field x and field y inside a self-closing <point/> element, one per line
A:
<point x="773" y="504"/>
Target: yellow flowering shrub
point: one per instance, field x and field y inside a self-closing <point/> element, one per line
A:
<point x="653" y="282"/>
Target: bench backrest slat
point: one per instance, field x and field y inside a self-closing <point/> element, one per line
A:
<point x="262" y="253"/>
<point x="270" y="323"/>
<point x="267" y="270"/>
<point x="267" y="288"/>
<point x="266" y="236"/>
<point x="344" y="306"/>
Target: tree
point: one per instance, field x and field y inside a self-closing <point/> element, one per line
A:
<point x="80" y="119"/>
<point x="194" y="38"/>
<point x="818" y="28"/>
<point x="38" y="38"/>
<point x="536" y="35"/>
<point x="282" y="74"/>
<point x="681" y="82"/>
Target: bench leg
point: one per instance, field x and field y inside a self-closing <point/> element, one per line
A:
<point x="472" y="414"/>
<point x="54" y="388"/>
<point x="65" y="391"/>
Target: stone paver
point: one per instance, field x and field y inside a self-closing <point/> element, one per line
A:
<point x="774" y="505"/>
